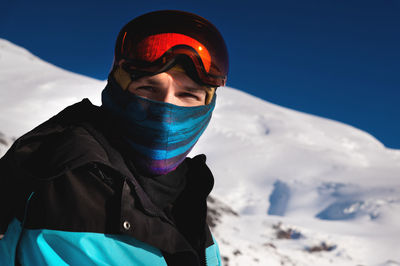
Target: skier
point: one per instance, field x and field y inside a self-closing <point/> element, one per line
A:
<point x="112" y="185"/>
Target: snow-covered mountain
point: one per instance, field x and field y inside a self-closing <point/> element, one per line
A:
<point x="32" y="90"/>
<point x="291" y="188"/>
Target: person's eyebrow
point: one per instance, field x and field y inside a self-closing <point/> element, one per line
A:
<point x="153" y="81"/>
<point x="194" y="89"/>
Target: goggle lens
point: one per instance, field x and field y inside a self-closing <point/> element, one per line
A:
<point x="155" y="46"/>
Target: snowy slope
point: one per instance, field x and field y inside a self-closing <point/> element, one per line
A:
<point x="291" y="188"/>
<point x="5" y="143"/>
<point x="32" y="90"/>
<point x="334" y="183"/>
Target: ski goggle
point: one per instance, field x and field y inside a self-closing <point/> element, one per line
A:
<point x="150" y="45"/>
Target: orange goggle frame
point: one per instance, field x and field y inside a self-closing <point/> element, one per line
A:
<point x="156" y="53"/>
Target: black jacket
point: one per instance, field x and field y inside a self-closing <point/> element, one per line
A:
<point x="83" y="182"/>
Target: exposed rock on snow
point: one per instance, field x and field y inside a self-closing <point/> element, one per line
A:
<point x="217" y="209"/>
<point x="5" y="143"/>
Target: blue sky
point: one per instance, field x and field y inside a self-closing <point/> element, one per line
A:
<point x="336" y="59"/>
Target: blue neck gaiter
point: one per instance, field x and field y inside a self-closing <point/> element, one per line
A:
<point x="159" y="134"/>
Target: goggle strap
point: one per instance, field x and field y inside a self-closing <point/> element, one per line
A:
<point x="122" y="77"/>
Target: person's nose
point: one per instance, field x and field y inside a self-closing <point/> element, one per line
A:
<point x="168" y="93"/>
<point x="168" y="96"/>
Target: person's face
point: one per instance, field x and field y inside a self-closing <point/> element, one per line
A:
<point x="173" y="86"/>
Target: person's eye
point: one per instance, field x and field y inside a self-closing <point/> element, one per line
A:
<point x="190" y="95"/>
<point x="146" y="88"/>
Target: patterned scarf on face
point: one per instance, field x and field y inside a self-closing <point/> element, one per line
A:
<point x="159" y="134"/>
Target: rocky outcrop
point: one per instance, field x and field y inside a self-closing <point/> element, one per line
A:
<point x="5" y="143"/>
<point x="216" y="210"/>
